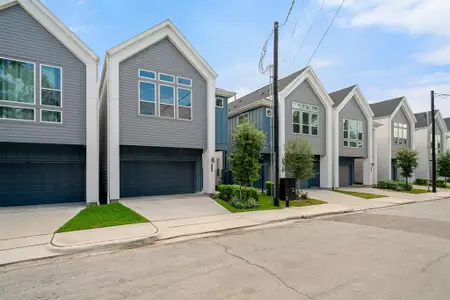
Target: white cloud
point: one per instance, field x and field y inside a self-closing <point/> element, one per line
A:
<point x="440" y="56"/>
<point x="81" y="1"/>
<point x="322" y="63"/>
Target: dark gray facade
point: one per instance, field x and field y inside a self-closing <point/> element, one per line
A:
<point x="23" y="38"/>
<point x="304" y="93"/>
<point x="401" y="117"/>
<point x="352" y="111"/>
<point x="138" y="130"/>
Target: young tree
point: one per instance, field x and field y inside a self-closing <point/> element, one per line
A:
<point x="248" y="143"/>
<point x="407" y="160"/>
<point x="299" y="159"/>
<point x="443" y="165"/>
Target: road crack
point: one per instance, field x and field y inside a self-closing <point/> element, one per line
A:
<point x="227" y="251"/>
<point x="434" y="262"/>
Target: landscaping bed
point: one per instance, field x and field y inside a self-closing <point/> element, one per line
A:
<point x="360" y="195"/>
<point x="102" y="216"/>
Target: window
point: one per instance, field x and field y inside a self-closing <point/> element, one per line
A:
<point x="305" y="119"/>
<point x="166" y="78"/>
<point x="400" y="133"/>
<point x="147" y="74"/>
<point x="16" y="81"/>
<point x="51" y="116"/>
<point x="51" y="86"/>
<point x="437" y="143"/>
<point x="244" y="118"/>
<point x="353" y="133"/>
<point x="166" y="101"/>
<point x="184" y="81"/>
<point x="219" y="102"/>
<point x="17" y="113"/>
<point x="147" y="98"/>
<point x="184" y="104"/>
<point x="269" y="112"/>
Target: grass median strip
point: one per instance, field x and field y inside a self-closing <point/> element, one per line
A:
<point x="417" y="191"/>
<point x="102" y="216"/>
<point x="360" y="195"/>
<point x="266" y="203"/>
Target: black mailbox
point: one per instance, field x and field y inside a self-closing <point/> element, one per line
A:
<point x="287" y="189"/>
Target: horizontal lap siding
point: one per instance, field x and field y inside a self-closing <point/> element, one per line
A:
<point x="138" y="130"/>
<point x="23" y="38"/>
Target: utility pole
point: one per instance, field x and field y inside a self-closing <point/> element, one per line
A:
<point x="276" y="146"/>
<point x="433" y="144"/>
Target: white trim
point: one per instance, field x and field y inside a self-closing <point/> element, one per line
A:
<point x="49" y="122"/>
<point x="162" y="80"/>
<point x="139" y="98"/>
<point x="268" y="109"/>
<point x="40" y="86"/>
<point x="22" y="107"/>
<point x="225" y="93"/>
<point x="148" y="78"/>
<point x="182" y="84"/>
<point x="177" y="106"/>
<point x="262" y="102"/>
<point x="408" y="111"/>
<point x="159" y="101"/>
<point x="34" y="80"/>
<point x="222" y="100"/>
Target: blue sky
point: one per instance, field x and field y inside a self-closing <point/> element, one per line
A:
<point x="390" y="48"/>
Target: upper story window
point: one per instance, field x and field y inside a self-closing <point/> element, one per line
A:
<point x="17" y="113"/>
<point x="166" y="101"/>
<point x="219" y="102"/>
<point x="400" y="133"/>
<point x="437" y="143"/>
<point x="147" y="98"/>
<point x="244" y="118"/>
<point x="147" y="74"/>
<point x="51" y="86"/>
<point x="353" y="133"/>
<point x="184" y="81"/>
<point x="305" y="118"/>
<point x="184" y="104"/>
<point x="17" y="81"/>
<point x="166" y="78"/>
<point x="269" y="112"/>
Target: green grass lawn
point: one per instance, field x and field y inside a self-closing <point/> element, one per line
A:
<point x="102" y="216"/>
<point x="360" y="195"/>
<point x="417" y="191"/>
<point x="266" y="203"/>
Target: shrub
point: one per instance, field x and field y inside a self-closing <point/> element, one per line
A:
<point x="439" y="182"/>
<point x="228" y="191"/>
<point x="301" y="195"/>
<point x="243" y="203"/>
<point x="394" y="185"/>
<point x="421" y="181"/>
<point x="269" y="187"/>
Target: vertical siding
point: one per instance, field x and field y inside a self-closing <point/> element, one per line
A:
<point x="400" y="117"/>
<point x="354" y="112"/>
<point x="138" y="130"/>
<point x="23" y="38"/>
<point x="222" y="126"/>
<point x="305" y="94"/>
<point x="382" y="140"/>
<point x="103" y="118"/>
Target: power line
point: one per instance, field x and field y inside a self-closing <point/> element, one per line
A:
<point x="308" y="31"/>
<point x="262" y="69"/>
<point x="326" y="32"/>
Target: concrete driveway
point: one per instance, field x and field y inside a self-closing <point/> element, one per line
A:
<point x="162" y="208"/>
<point x="33" y="225"/>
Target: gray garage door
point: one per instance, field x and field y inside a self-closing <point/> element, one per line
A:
<point x="151" y="178"/>
<point x="344" y="175"/>
<point x="41" y="174"/>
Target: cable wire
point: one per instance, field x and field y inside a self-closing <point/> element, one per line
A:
<point x="326" y="32"/>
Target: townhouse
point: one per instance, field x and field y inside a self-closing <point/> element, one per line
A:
<point x="423" y="145"/>
<point x="397" y="131"/>
<point x="48" y="109"/>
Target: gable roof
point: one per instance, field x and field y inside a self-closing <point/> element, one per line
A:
<point x="340" y="95"/>
<point x="422" y="118"/>
<point x="53" y="25"/>
<point x="165" y="29"/>
<point x="447" y="123"/>
<point x="385" y="108"/>
<point x="262" y="93"/>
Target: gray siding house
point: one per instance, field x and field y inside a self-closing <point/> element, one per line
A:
<point x="305" y="111"/>
<point x="48" y="109"/>
<point x="397" y="131"/>
<point x="353" y="138"/>
<point x="157" y="127"/>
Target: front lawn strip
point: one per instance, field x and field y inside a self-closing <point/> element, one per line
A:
<point x="266" y="203"/>
<point x="360" y="195"/>
<point x="102" y="216"/>
<point x="417" y="191"/>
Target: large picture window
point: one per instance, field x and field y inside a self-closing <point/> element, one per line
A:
<point x="51" y="86"/>
<point x="353" y="133"/>
<point x="17" y="81"/>
<point x="166" y="101"/>
<point x="184" y="104"/>
<point x="400" y="133"/>
<point x="305" y="119"/>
